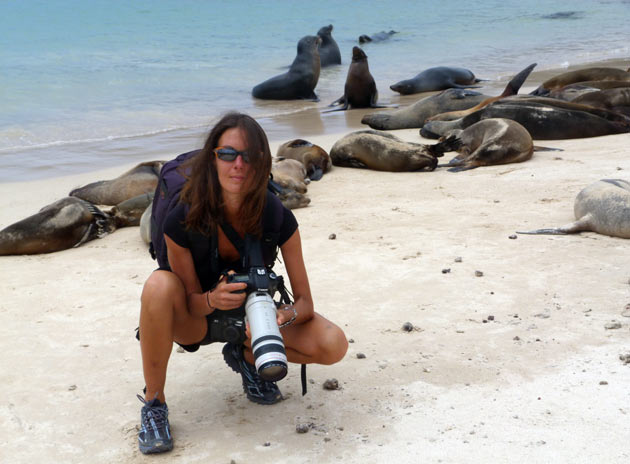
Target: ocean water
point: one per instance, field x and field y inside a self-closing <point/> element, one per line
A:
<point x="87" y="85"/>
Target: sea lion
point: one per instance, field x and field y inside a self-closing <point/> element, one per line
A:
<point x="414" y="116"/>
<point x="438" y="78"/>
<point x="292" y="199"/>
<point x="580" y="75"/>
<point x="572" y="91"/>
<point x="314" y="158"/>
<point x="289" y="174"/>
<point x="617" y="100"/>
<point x="360" y="89"/>
<point x="544" y="118"/>
<point x="66" y="223"/>
<point x="141" y="179"/>
<point x="382" y="151"/>
<point x="486" y="143"/>
<point x="377" y="37"/>
<point x="329" y="53"/>
<point x="145" y="224"/>
<point x="128" y="213"/>
<point x="300" y="80"/>
<point x="511" y="88"/>
<point x="602" y="207"/>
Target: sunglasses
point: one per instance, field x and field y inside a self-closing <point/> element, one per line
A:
<point x="230" y="154"/>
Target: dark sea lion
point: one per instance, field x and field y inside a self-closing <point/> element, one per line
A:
<point x="382" y="151"/>
<point x="511" y="88"/>
<point x="128" y="213"/>
<point x="377" y="37"/>
<point x="300" y="80"/>
<point x="413" y="116"/>
<point x="314" y="158"/>
<point x="572" y="91"/>
<point x="66" y="223"/>
<point x="581" y="75"/>
<point x="360" y="89"/>
<point x="141" y="179"/>
<point x="486" y="143"/>
<point x="544" y="118"/>
<point x="438" y="78"/>
<point x="617" y="100"/>
<point x="602" y="207"/>
<point x="329" y="53"/>
<point x="289" y="174"/>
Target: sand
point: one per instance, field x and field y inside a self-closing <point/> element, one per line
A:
<point x="513" y="363"/>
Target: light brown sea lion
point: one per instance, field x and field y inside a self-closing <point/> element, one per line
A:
<point x="383" y="152"/>
<point x="138" y="180"/>
<point x="438" y="78"/>
<point x="581" y="75"/>
<point x="313" y="157"/>
<point x="602" y="207"/>
<point x="300" y="80"/>
<point x="292" y="199"/>
<point x="289" y="174"/>
<point x="486" y="143"/>
<point x="414" y="116"/>
<point x="511" y="88"/>
<point x="360" y="89"/>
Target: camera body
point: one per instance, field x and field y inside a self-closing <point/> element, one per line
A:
<point x="228" y="329"/>
<point x="260" y="311"/>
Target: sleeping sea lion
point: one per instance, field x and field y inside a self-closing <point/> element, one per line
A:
<point x="329" y="53"/>
<point x="300" y="80"/>
<point x="141" y="179"/>
<point x="383" y="152"/>
<point x="617" y="100"/>
<point x="580" y="75"/>
<point x="438" y="78"/>
<point x="360" y="89"/>
<point x="486" y="143"/>
<point x="414" y="116"/>
<point x="602" y="207"/>
<point x="289" y="174"/>
<point x="572" y="91"/>
<point x="314" y="158"/>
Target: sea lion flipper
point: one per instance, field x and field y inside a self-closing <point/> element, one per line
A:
<point x="581" y="225"/>
<point x="517" y="81"/>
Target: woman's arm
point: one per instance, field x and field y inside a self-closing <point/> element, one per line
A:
<point x="201" y="303"/>
<point x="294" y="264"/>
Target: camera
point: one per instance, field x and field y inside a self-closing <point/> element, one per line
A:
<point x="228" y="329"/>
<point x="260" y="309"/>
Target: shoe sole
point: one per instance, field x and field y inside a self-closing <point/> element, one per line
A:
<point x="160" y="448"/>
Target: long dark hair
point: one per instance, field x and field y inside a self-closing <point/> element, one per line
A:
<point x="202" y="191"/>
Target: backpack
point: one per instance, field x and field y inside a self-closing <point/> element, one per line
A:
<point x="170" y="183"/>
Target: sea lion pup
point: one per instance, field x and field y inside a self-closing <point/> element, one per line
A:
<point x="382" y="151"/>
<point x="414" y="116"/>
<point x="617" y="100"/>
<point x="438" y="78"/>
<point x="314" y="158"/>
<point x="66" y="223"/>
<point x="378" y="37"/>
<point x="511" y="88"/>
<point x="602" y="207"/>
<point x="289" y="174"/>
<point x="329" y="53"/>
<point x="141" y="179"/>
<point x="580" y="75"/>
<point x="360" y="89"/>
<point x="486" y="143"/>
<point x="300" y="80"/>
<point x="544" y="118"/>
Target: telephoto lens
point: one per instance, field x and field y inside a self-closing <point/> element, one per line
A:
<point x="270" y="357"/>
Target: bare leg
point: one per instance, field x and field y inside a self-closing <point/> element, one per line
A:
<point x="164" y="318"/>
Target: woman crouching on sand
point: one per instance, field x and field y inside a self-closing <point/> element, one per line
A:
<point x="180" y="302"/>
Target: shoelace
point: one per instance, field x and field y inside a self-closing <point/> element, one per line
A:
<point x="159" y="415"/>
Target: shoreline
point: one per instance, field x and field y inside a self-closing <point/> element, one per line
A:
<point x="302" y="122"/>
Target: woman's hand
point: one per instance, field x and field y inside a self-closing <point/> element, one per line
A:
<point x="225" y="297"/>
<point x="286" y="314"/>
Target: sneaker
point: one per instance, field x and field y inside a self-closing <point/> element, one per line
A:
<point x="155" y="434"/>
<point x="258" y="390"/>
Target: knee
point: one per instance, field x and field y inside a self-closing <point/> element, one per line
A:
<point x="160" y="290"/>
<point x="333" y="346"/>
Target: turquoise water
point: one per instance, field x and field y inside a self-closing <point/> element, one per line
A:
<point x="85" y="85"/>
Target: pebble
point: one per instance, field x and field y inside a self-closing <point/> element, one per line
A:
<point x="360" y="356"/>
<point x="478" y="273"/>
<point x="302" y="428"/>
<point x="517" y="338"/>
<point x="612" y="325"/>
<point x="332" y="236"/>
<point x="446" y="270"/>
<point x="72" y="387"/>
<point x="625" y="358"/>
<point x="407" y="326"/>
<point x="331" y="384"/>
<point x="267" y="443"/>
<point x="351" y="340"/>
<point x="513" y="237"/>
<point x="458" y="259"/>
<point x="491" y="318"/>
<point x="626" y="311"/>
<point x="603" y="382"/>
